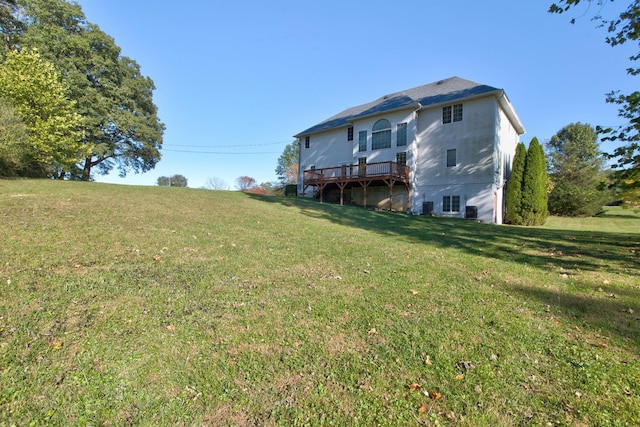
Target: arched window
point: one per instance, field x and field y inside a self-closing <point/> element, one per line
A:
<point x="381" y="135"/>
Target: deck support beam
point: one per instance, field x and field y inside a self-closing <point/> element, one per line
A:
<point x="341" y="186"/>
<point x="365" y="183"/>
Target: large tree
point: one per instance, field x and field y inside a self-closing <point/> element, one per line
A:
<point x="575" y="167"/>
<point x="287" y="167"/>
<point x="534" y="186"/>
<point x="112" y="95"/>
<point x="10" y="25"/>
<point x="514" y="186"/>
<point x="35" y="90"/>
<point x="622" y="28"/>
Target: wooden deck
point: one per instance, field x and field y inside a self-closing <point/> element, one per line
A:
<point x="364" y="175"/>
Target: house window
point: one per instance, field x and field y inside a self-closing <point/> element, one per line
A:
<point x="401" y="158"/>
<point x="451" y="158"/>
<point x="381" y="135"/>
<point x="401" y="135"/>
<point x="451" y="204"/>
<point x="306" y="142"/>
<point x="350" y="133"/>
<point x="452" y="113"/>
<point x="362" y="160"/>
<point x="362" y="140"/>
<point x="457" y="113"/>
<point x="446" y="114"/>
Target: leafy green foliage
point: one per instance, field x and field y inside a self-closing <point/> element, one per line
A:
<point x="575" y="166"/>
<point x="35" y="90"/>
<point x="287" y="168"/>
<point x="10" y="26"/>
<point x="621" y="29"/>
<point x="514" y="186"/>
<point x="114" y="98"/>
<point x="13" y="140"/>
<point x="534" y="186"/>
<point x="172" y="181"/>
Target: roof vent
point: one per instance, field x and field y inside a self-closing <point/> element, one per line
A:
<point x="440" y="82"/>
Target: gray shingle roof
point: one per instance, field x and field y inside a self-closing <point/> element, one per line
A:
<point x="443" y="91"/>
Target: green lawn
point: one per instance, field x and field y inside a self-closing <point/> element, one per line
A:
<point x="165" y="306"/>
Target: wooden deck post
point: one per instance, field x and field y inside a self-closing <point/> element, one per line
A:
<point x="365" y="183"/>
<point x="342" y="185"/>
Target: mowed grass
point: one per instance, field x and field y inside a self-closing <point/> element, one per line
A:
<point x="163" y="306"/>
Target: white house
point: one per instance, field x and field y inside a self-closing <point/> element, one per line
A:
<point x="444" y="148"/>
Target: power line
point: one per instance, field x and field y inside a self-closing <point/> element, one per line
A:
<point x="221" y="152"/>
<point x="227" y="146"/>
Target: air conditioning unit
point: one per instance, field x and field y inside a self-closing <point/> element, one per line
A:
<point x="471" y="212"/>
<point x="427" y="208"/>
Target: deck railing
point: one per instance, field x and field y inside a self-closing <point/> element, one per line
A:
<point x="379" y="170"/>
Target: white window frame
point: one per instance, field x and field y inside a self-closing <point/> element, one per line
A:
<point x="448" y="203"/>
<point x="379" y="134"/>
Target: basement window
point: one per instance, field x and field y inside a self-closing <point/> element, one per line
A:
<point x="451" y="204"/>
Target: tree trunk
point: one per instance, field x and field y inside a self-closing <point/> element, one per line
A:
<point x="86" y="172"/>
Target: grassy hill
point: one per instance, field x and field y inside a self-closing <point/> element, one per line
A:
<point x="165" y="306"/>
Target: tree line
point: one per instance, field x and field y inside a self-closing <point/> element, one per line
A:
<point x="71" y="104"/>
<point x="621" y="28"/>
<point x="569" y="180"/>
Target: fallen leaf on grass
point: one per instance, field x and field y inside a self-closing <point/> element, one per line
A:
<point x="57" y="345"/>
<point x="414" y="387"/>
<point x="171" y="328"/>
<point x="427" y="360"/>
<point x="434" y="395"/>
<point x="413" y="291"/>
<point x="459" y="377"/>
<point x="158" y="259"/>
<point x="372" y="331"/>
<point x="422" y="409"/>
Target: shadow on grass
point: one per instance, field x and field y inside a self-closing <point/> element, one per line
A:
<point x="614" y="313"/>
<point x="547" y="249"/>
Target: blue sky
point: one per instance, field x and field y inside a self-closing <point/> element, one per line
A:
<point x="235" y="80"/>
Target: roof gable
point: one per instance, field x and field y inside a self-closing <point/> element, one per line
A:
<point x="448" y="90"/>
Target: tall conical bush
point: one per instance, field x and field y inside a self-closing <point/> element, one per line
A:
<point x="534" y="186"/>
<point x="514" y="186"/>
